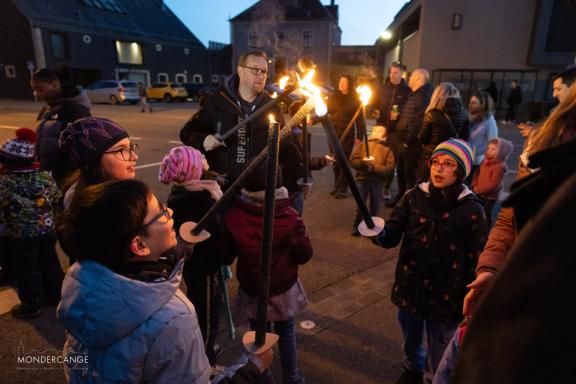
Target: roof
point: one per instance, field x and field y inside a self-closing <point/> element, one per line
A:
<point x="286" y="10"/>
<point x="147" y="20"/>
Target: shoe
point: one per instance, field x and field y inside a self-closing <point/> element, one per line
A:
<point x="142" y="111"/>
<point x="340" y="195"/>
<point x="355" y="233"/>
<point x="333" y="192"/>
<point x="25" y="311"/>
<point x="410" y="376"/>
<point x="386" y="196"/>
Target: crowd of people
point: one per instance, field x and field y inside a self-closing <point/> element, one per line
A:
<point x="73" y="181"/>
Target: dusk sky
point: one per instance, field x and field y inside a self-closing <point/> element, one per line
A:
<point x="361" y="21"/>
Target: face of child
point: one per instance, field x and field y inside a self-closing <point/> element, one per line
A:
<point x="491" y="151"/>
<point x="115" y="166"/>
<point x="474" y="105"/>
<point x="443" y="171"/>
<point x="160" y="235"/>
<point x="378" y="131"/>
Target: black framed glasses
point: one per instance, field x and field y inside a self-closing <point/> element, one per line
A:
<point x="126" y="152"/>
<point x="256" y="71"/>
<point x="163" y="217"/>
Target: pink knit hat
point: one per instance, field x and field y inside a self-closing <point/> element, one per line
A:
<point x="181" y="164"/>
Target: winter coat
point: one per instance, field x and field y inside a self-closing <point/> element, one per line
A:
<point x="243" y="237"/>
<point x="488" y="181"/>
<point x="52" y="119"/>
<point x="28" y="200"/>
<point x="383" y="163"/>
<point x="342" y="108"/>
<point x="514" y="97"/>
<point x="412" y="115"/>
<point x="132" y="331"/>
<point x="481" y="132"/>
<point x="221" y="112"/>
<point x="387" y="96"/>
<point x="439" y="126"/>
<point x="439" y="251"/>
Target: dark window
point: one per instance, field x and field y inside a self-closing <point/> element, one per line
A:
<point x="562" y="28"/>
<point x="59" y="43"/>
<point x="253" y="40"/>
<point x="109" y="5"/>
<point x="280" y="35"/>
<point x="307" y="39"/>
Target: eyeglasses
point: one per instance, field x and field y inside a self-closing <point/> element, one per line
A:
<point x="126" y="152"/>
<point x="256" y="71"/>
<point x="163" y="217"/>
<point x="448" y="165"/>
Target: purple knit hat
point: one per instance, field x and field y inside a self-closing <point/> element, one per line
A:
<point x="86" y="139"/>
<point x="181" y="164"/>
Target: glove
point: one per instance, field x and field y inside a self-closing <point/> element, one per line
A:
<point x="211" y="142"/>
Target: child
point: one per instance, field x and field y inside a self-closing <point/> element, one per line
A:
<point x="371" y="175"/>
<point x="28" y="198"/>
<point x="291" y="248"/>
<point x="487" y="182"/>
<point x="443" y="229"/>
<point x="190" y="198"/>
<point x="448" y="361"/>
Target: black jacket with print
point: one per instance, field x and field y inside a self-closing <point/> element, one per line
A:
<point x="442" y="240"/>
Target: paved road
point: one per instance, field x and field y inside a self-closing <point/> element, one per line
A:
<point x="356" y="338"/>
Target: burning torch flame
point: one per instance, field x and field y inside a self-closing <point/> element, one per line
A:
<point x="274" y="95"/>
<point x="313" y="91"/>
<point x="272" y="119"/>
<point x="283" y="81"/>
<point x="365" y="93"/>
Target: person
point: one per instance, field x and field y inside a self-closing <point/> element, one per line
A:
<point x="407" y="132"/>
<point x="556" y="130"/>
<point x="103" y="151"/>
<point x="371" y="174"/>
<point x="241" y="95"/>
<point x="514" y="100"/>
<point x="342" y="105"/>
<point x="442" y="227"/>
<point x="65" y="103"/>
<point x="143" y="98"/>
<point x="121" y="303"/>
<point x="483" y="127"/>
<point x="445" y="118"/>
<point x="29" y="198"/>
<point x="492" y="90"/>
<point x="291" y="247"/>
<point x="448" y="362"/>
<point x="195" y="189"/>
<point x="390" y="99"/>
<point x="487" y="182"/>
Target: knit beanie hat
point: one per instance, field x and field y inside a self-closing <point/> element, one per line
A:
<point x="459" y="150"/>
<point x="86" y="139"/>
<point x="20" y="150"/>
<point x="181" y="164"/>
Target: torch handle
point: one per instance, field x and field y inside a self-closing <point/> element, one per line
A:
<point x="346" y="170"/>
<point x="366" y="148"/>
<point x="350" y="123"/>
<point x="305" y="147"/>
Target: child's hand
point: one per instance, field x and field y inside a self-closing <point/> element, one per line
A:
<point x="477" y="288"/>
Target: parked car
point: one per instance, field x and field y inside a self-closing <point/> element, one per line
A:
<point x="194" y="90"/>
<point x="167" y="92"/>
<point x="113" y="92"/>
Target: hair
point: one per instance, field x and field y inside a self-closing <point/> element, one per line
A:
<point x="244" y="57"/>
<point x="568" y="76"/>
<point x="440" y="94"/>
<point x="486" y="103"/>
<point x="397" y="64"/>
<point x="559" y="127"/>
<point x="45" y="75"/>
<point x="102" y="220"/>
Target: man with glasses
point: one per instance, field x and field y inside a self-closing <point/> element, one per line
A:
<point x="242" y="94"/>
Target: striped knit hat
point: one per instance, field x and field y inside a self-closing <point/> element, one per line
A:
<point x="181" y="164"/>
<point x="459" y="150"/>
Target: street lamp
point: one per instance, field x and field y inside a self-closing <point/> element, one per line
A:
<point x="386" y="35"/>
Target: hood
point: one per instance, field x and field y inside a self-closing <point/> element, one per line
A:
<point x="505" y="148"/>
<point x="426" y="88"/>
<point x="425" y="187"/>
<point x="253" y="202"/>
<point x="231" y="87"/>
<point x="74" y="95"/>
<point x="453" y="106"/>
<point x="100" y="307"/>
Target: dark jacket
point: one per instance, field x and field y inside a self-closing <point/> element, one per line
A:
<point x="389" y="95"/>
<point x="412" y="115"/>
<point x="443" y="233"/>
<point x="515" y="96"/>
<point x="439" y="126"/>
<point x="223" y="111"/>
<point x="342" y="108"/>
<point x="243" y="236"/>
<point x="383" y="163"/>
<point x="52" y="119"/>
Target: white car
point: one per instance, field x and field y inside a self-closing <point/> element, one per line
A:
<point x="113" y="92"/>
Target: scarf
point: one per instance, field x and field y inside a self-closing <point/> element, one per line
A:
<point x="211" y="186"/>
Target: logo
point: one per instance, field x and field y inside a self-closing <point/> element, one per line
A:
<point x="49" y="359"/>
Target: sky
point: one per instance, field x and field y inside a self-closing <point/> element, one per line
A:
<point x="361" y="21"/>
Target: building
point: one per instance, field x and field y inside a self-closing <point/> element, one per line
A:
<point x="140" y="40"/>
<point x="288" y="30"/>
<point x="358" y="61"/>
<point x="473" y="43"/>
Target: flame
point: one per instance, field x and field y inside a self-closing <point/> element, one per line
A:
<point x="272" y="119"/>
<point x="309" y="89"/>
<point x="274" y="95"/>
<point x="365" y="93"/>
<point x="283" y="81"/>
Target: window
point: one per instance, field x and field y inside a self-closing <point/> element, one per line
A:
<point x="197" y="79"/>
<point x="307" y="39"/>
<point x="214" y="78"/>
<point x="59" y="44"/>
<point x="129" y="53"/>
<point x="253" y="40"/>
<point x="10" y="71"/>
<point x="162" y="78"/>
<point x="180" y="78"/>
<point x="108" y="5"/>
<point x="280" y="36"/>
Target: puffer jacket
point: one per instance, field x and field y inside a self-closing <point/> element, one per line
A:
<point x="52" y="119"/>
<point x="439" y="251"/>
<point x="383" y="163"/>
<point x="243" y="236"/>
<point x="439" y="126"/>
<point x="132" y="331"/>
<point x="389" y="95"/>
<point x="412" y="115"/>
<point x="487" y="182"/>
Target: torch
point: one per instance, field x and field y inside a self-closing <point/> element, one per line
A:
<point x="371" y="225"/>
<point x="365" y="95"/>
